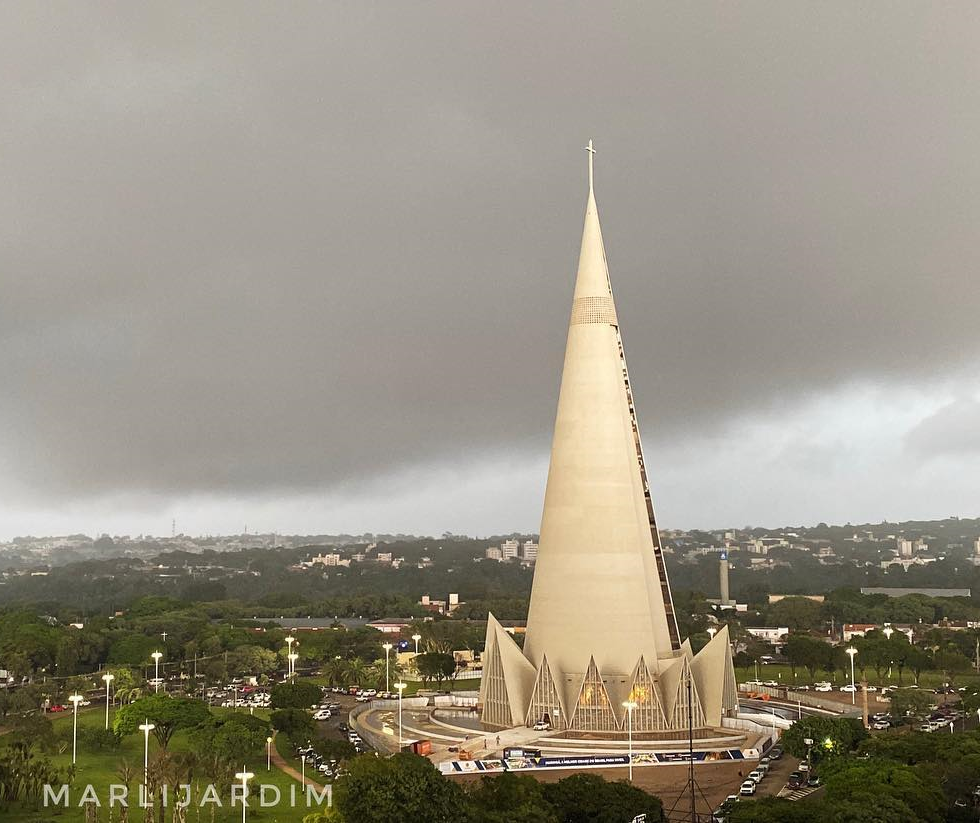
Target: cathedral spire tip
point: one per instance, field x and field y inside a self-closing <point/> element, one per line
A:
<point x="591" y="152"/>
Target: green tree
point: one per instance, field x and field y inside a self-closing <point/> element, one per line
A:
<point x="436" y="666"/>
<point x="588" y="798"/>
<point x="797" y="613"/>
<point x="252" y="660"/>
<point x="295" y="695"/>
<point x="775" y="810"/>
<point x="166" y="713"/>
<point x="296" y="724"/>
<point x="404" y="788"/>
<point x="806" y="651"/>
<point x="510" y="798"/>
<point x="869" y="782"/>
<point x="831" y="735"/>
<point x="231" y="737"/>
<point x="910" y="702"/>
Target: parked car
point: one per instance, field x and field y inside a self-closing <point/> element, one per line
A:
<point x="823" y="687"/>
<point x="813" y="781"/>
<point x="322" y="714"/>
<point x="881" y="725"/>
<point x="848" y="688"/>
<point x="747" y="788"/>
<point x="775" y="752"/>
<point x="57" y="707"/>
<point x="541" y="726"/>
<point x="756" y="775"/>
<point x="796" y="780"/>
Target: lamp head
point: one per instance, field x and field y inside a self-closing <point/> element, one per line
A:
<point x="76" y="698"/>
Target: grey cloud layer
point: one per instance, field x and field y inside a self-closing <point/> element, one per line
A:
<point x="250" y="249"/>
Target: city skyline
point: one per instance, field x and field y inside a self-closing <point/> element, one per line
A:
<point x="286" y="271"/>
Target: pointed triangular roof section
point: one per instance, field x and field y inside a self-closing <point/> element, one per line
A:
<point x="507" y="678"/>
<point x="546" y="703"/>
<point x="593" y="709"/>
<point x="648" y="716"/>
<point x="714" y="676"/>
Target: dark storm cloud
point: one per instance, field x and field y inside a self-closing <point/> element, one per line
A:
<point x="248" y="247"/>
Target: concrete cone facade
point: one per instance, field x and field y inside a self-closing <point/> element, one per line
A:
<point x="601" y="628"/>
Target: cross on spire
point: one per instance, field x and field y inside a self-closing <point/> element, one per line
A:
<point x="591" y="152"/>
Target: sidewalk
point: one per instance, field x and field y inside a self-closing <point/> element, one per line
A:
<point x="284" y="767"/>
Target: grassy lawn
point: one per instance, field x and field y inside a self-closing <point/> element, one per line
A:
<point x="784" y="676"/>
<point x="99" y="769"/>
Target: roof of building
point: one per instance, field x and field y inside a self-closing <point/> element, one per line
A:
<point x="900" y="592"/>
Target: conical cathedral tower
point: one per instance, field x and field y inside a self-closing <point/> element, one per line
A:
<point x="601" y="629"/>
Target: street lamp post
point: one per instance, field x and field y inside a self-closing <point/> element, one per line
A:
<point x="268" y="754"/>
<point x="629" y="705"/>
<point x="888" y="631"/>
<point x="244" y="776"/>
<point x="156" y="676"/>
<point x="808" y="741"/>
<point x="401" y="687"/>
<point x="75" y="699"/>
<point x="108" y="678"/>
<point x="146" y="727"/>
<point x="851" y="651"/>
<point x="302" y="759"/>
<point x="289" y="656"/>
<point x="416" y="638"/>
<point x="293" y="657"/>
<point x="712" y="631"/>
<point x="387" y="648"/>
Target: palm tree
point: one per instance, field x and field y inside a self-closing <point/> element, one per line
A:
<point x="336" y="671"/>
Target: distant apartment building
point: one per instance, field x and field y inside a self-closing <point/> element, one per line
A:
<point x="976" y="547"/>
<point x="441" y="606"/>
<point x="529" y="551"/>
<point x="327" y="559"/>
<point x="494" y="553"/>
<point x="384" y="557"/>
<point x="510" y="549"/>
<point x="771" y="634"/>
<point x="904" y="547"/>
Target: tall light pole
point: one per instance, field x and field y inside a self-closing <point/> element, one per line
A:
<point x="416" y="638"/>
<point x="292" y="666"/>
<point x="244" y="776"/>
<point x="156" y="677"/>
<point x="387" y="648"/>
<point x="712" y="631"/>
<point x="146" y="727"/>
<point x="401" y="687"/>
<point x="289" y="656"/>
<point x="108" y="678"/>
<point x="75" y="699"/>
<point x="888" y="631"/>
<point x="629" y="705"/>
<point x="302" y="759"/>
<point x="268" y="754"/>
<point x="851" y="651"/>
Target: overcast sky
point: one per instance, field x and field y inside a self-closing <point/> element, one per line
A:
<point x="308" y="267"/>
